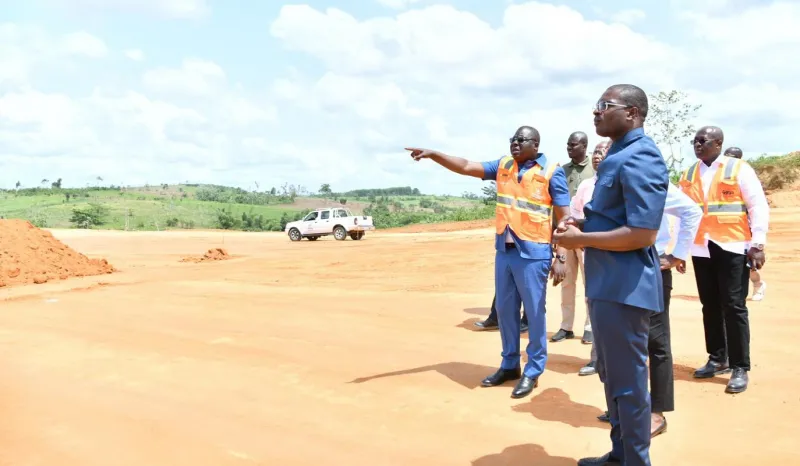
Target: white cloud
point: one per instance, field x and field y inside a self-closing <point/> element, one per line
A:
<point x="397" y="4"/>
<point x="361" y="88"/>
<point x="134" y="54"/>
<point x="83" y="43"/>
<point x="195" y="76"/>
<point x="173" y="9"/>
<point x="630" y="16"/>
<point x="25" y="49"/>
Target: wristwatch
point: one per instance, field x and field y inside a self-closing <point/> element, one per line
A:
<point x="561" y="257"/>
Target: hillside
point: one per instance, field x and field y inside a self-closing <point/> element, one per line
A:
<point x="780" y="177"/>
<point x="213" y="207"/>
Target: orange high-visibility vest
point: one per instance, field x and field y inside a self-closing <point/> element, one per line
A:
<point x="525" y="205"/>
<point x="724" y="212"/>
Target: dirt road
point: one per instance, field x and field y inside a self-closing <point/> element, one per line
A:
<point x="345" y="353"/>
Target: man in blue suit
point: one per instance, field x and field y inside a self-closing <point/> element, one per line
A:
<point x="623" y="273"/>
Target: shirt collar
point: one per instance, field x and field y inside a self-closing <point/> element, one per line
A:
<point x="629" y="137"/>
<point x="582" y="164"/>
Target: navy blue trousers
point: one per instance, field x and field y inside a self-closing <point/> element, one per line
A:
<point x="620" y="338"/>
<point x="518" y="282"/>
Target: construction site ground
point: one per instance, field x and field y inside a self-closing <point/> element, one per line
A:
<point x="346" y="353"/>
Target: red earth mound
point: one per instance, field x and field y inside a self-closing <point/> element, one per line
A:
<point x="215" y="254"/>
<point x="31" y="255"/>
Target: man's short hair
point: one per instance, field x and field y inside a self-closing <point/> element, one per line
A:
<point x="633" y="96"/>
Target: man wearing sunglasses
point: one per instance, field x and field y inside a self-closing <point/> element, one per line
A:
<point x="729" y="243"/>
<point x="531" y="192"/>
<point x="623" y="272"/>
<point x="759" y="286"/>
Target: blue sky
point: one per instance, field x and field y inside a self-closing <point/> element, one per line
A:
<point x="239" y="92"/>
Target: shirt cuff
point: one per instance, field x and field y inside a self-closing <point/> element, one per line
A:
<point x="759" y="238"/>
<point x="681" y="252"/>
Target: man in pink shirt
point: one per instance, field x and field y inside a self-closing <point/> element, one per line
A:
<point x="582" y="196"/>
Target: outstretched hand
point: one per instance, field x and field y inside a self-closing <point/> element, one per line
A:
<point x="418" y="153"/>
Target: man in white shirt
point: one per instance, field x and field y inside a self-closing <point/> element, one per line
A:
<point x="659" y="347"/>
<point x="759" y="286"/>
<point x="729" y="243"/>
<point x="582" y="196"/>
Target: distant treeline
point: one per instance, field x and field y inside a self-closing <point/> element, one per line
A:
<point x="377" y="192"/>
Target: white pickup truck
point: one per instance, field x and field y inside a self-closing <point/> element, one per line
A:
<point x="336" y="221"/>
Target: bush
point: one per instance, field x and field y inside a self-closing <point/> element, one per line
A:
<point x="777" y="172"/>
<point x="87" y="217"/>
<point x="382" y="217"/>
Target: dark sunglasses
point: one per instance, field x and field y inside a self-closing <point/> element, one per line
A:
<point x="520" y="140"/>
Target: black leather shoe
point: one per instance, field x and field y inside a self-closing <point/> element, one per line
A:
<point x="562" y="334"/>
<point x="501" y="376"/>
<point x="523" y="327"/>
<point x="524" y="387"/>
<point x="601" y="461"/>
<point x="488" y="324"/>
<point x="604" y="417"/>
<point x="711" y="369"/>
<point x="738" y="382"/>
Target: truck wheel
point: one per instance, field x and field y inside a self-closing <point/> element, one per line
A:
<point x="340" y="233"/>
<point x="357" y="235"/>
<point x="294" y="234"/>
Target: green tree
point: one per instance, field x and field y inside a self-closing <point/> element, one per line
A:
<point x="668" y="119"/>
<point x="490" y="193"/>
<point x="325" y="190"/>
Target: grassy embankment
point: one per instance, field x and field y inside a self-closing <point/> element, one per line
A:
<point x="203" y="207"/>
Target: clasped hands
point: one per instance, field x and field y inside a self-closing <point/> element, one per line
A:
<point x="569" y="234"/>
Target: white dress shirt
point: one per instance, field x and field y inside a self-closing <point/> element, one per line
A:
<point x="582" y="196"/>
<point x="688" y="215"/>
<point x="754" y="199"/>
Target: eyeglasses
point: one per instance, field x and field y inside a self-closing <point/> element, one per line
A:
<point x="520" y="140"/>
<point x="603" y="105"/>
<point x="700" y="141"/>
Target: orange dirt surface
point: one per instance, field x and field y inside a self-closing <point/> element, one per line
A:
<point x="442" y="227"/>
<point x="346" y="353"/>
<point x="31" y="255"/>
<point x="214" y="254"/>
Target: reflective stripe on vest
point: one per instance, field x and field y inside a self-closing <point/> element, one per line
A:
<point x="529" y="218"/>
<point x="724" y="211"/>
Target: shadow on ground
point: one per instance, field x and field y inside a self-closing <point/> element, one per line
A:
<point x="686" y="374"/>
<point x="523" y="454"/>
<point x="463" y="373"/>
<point x="555" y="405"/>
<point x="564" y="364"/>
<point x="478" y="311"/>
